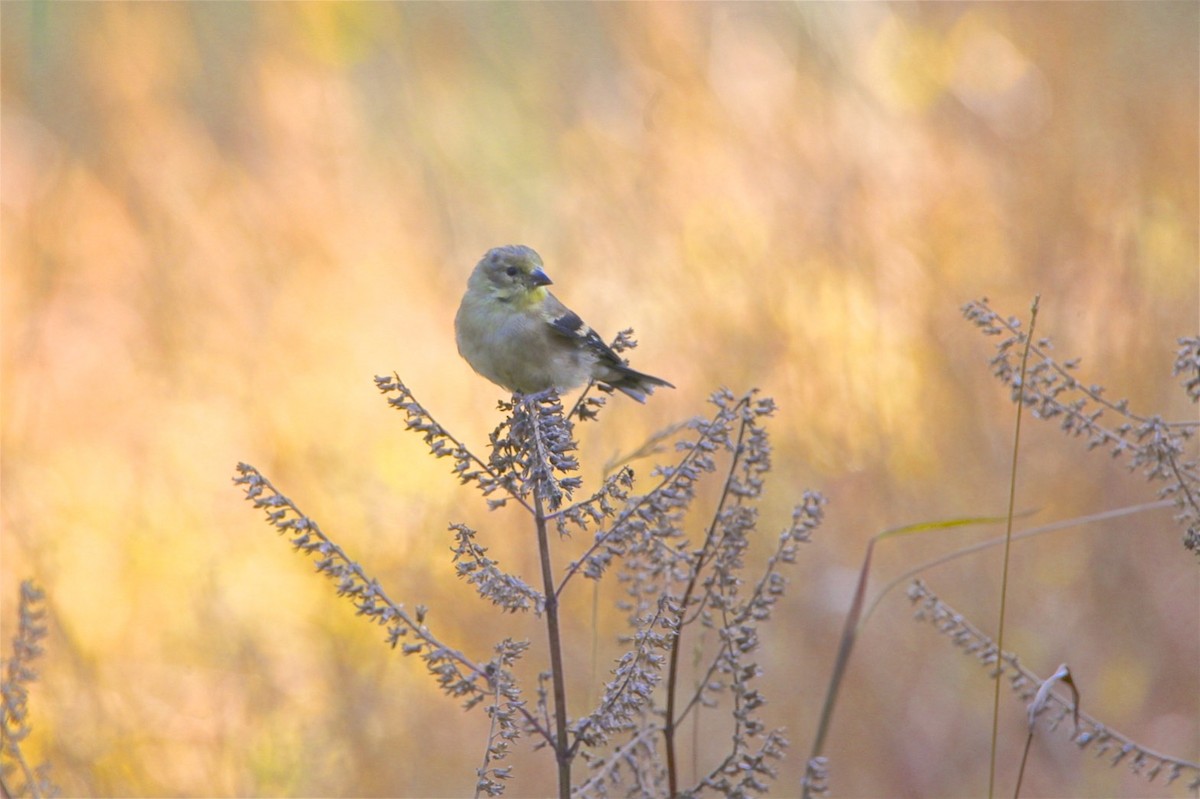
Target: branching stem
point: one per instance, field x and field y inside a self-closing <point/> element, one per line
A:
<point x="671" y="721"/>
<point x="562" y="750"/>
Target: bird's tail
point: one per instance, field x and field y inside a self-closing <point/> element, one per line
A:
<point x="632" y="382"/>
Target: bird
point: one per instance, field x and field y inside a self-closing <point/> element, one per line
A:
<point x="514" y="332"/>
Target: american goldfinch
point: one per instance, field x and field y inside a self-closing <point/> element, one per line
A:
<point x="514" y="332"/>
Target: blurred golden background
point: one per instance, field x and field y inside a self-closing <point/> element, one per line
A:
<point x="221" y="220"/>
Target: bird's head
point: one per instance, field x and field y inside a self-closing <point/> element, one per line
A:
<point x="511" y="274"/>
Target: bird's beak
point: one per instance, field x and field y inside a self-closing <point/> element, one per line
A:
<point x="539" y="278"/>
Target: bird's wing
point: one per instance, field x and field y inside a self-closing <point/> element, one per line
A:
<point x="567" y="323"/>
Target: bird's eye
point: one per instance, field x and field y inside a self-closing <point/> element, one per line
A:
<point x="511" y="271"/>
